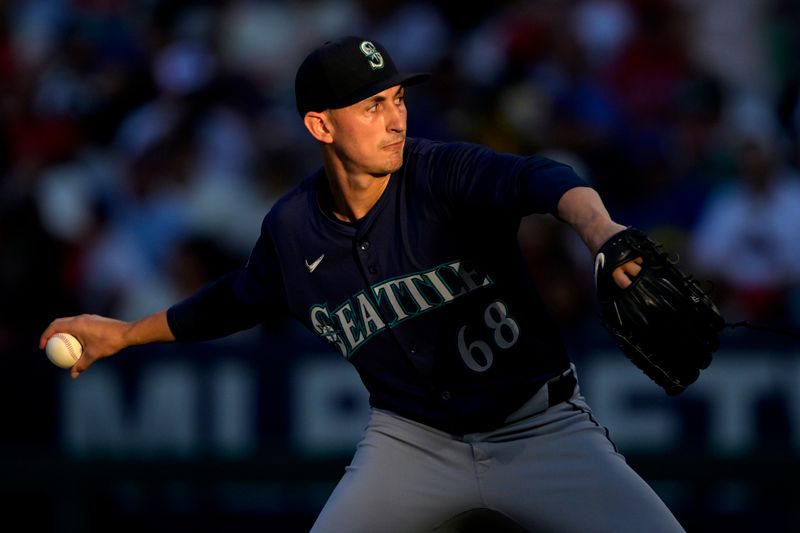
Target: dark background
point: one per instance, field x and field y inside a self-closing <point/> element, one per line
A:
<point x="141" y="143"/>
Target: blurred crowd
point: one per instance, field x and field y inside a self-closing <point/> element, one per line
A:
<point x="141" y="143"/>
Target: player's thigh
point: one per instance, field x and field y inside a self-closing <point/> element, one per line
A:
<point x="401" y="479"/>
<point x="572" y="479"/>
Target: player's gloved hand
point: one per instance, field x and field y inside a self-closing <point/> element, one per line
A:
<point x="659" y="317"/>
<point x="625" y="272"/>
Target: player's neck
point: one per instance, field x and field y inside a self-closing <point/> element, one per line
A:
<point x="354" y="196"/>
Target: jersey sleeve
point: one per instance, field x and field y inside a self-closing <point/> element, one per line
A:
<point x="236" y="301"/>
<point x="473" y="177"/>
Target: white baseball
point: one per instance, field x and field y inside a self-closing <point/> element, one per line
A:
<point x="63" y="350"/>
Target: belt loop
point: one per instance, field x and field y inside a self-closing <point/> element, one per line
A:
<point x="562" y="388"/>
<point x="558" y="389"/>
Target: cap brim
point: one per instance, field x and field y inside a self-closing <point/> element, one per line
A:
<point x="371" y="90"/>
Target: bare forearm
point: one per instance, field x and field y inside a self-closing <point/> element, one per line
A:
<point x="103" y="337"/>
<point x="153" y="328"/>
<point x="583" y="209"/>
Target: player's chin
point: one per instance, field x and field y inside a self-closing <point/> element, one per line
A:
<point x="387" y="166"/>
<point x="389" y="169"/>
<point x="395" y="160"/>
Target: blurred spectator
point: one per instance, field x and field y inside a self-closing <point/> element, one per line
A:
<point x="728" y="38"/>
<point x="36" y="277"/>
<point x="141" y="143"/>
<point x="602" y="28"/>
<point x="129" y="129"/>
<point x="650" y="66"/>
<point x="746" y="239"/>
<point x="417" y="30"/>
<point x="789" y="115"/>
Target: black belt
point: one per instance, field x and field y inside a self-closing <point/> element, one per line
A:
<point x="562" y="388"/>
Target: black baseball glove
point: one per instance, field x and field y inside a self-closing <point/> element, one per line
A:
<point x="663" y="322"/>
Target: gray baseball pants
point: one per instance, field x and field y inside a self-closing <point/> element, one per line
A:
<point x="549" y="469"/>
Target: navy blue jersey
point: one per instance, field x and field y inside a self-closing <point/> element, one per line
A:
<point x="427" y="295"/>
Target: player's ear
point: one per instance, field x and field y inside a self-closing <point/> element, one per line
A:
<point x="318" y="126"/>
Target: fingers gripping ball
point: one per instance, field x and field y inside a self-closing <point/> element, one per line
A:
<point x="663" y="322"/>
<point x="63" y="350"/>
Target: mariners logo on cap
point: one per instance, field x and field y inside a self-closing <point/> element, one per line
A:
<point x="375" y="58"/>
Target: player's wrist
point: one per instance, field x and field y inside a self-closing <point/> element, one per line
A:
<point x="601" y="233"/>
<point x="130" y="334"/>
<point x="153" y="328"/>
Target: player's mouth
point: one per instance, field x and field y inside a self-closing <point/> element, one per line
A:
<point x="394" y="146"/>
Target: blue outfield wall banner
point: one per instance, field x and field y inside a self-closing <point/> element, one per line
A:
<point x="240" y="397"/>
<point x="263" y="423"/>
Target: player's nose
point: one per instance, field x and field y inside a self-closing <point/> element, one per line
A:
<point x="396" y="119"/>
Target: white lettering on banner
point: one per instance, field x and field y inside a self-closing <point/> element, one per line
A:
<point x="183" y="408"/>
<point x="172" y="413"/>
<point x="329" y="406"/>
<point x="730" y="389"/>
<point x="608" y="381"/>
<point x="93" y="417"/>
<point x="233" y="412"/>
<point x="733" y="391"/>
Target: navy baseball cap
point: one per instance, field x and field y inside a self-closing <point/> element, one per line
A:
<point x="342" y="72"/>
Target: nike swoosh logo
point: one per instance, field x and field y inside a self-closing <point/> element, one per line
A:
<point x="599" y="262"/>
<point x="313" y="266"/>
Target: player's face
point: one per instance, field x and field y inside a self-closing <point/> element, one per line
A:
<point x="369" y="136"/>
